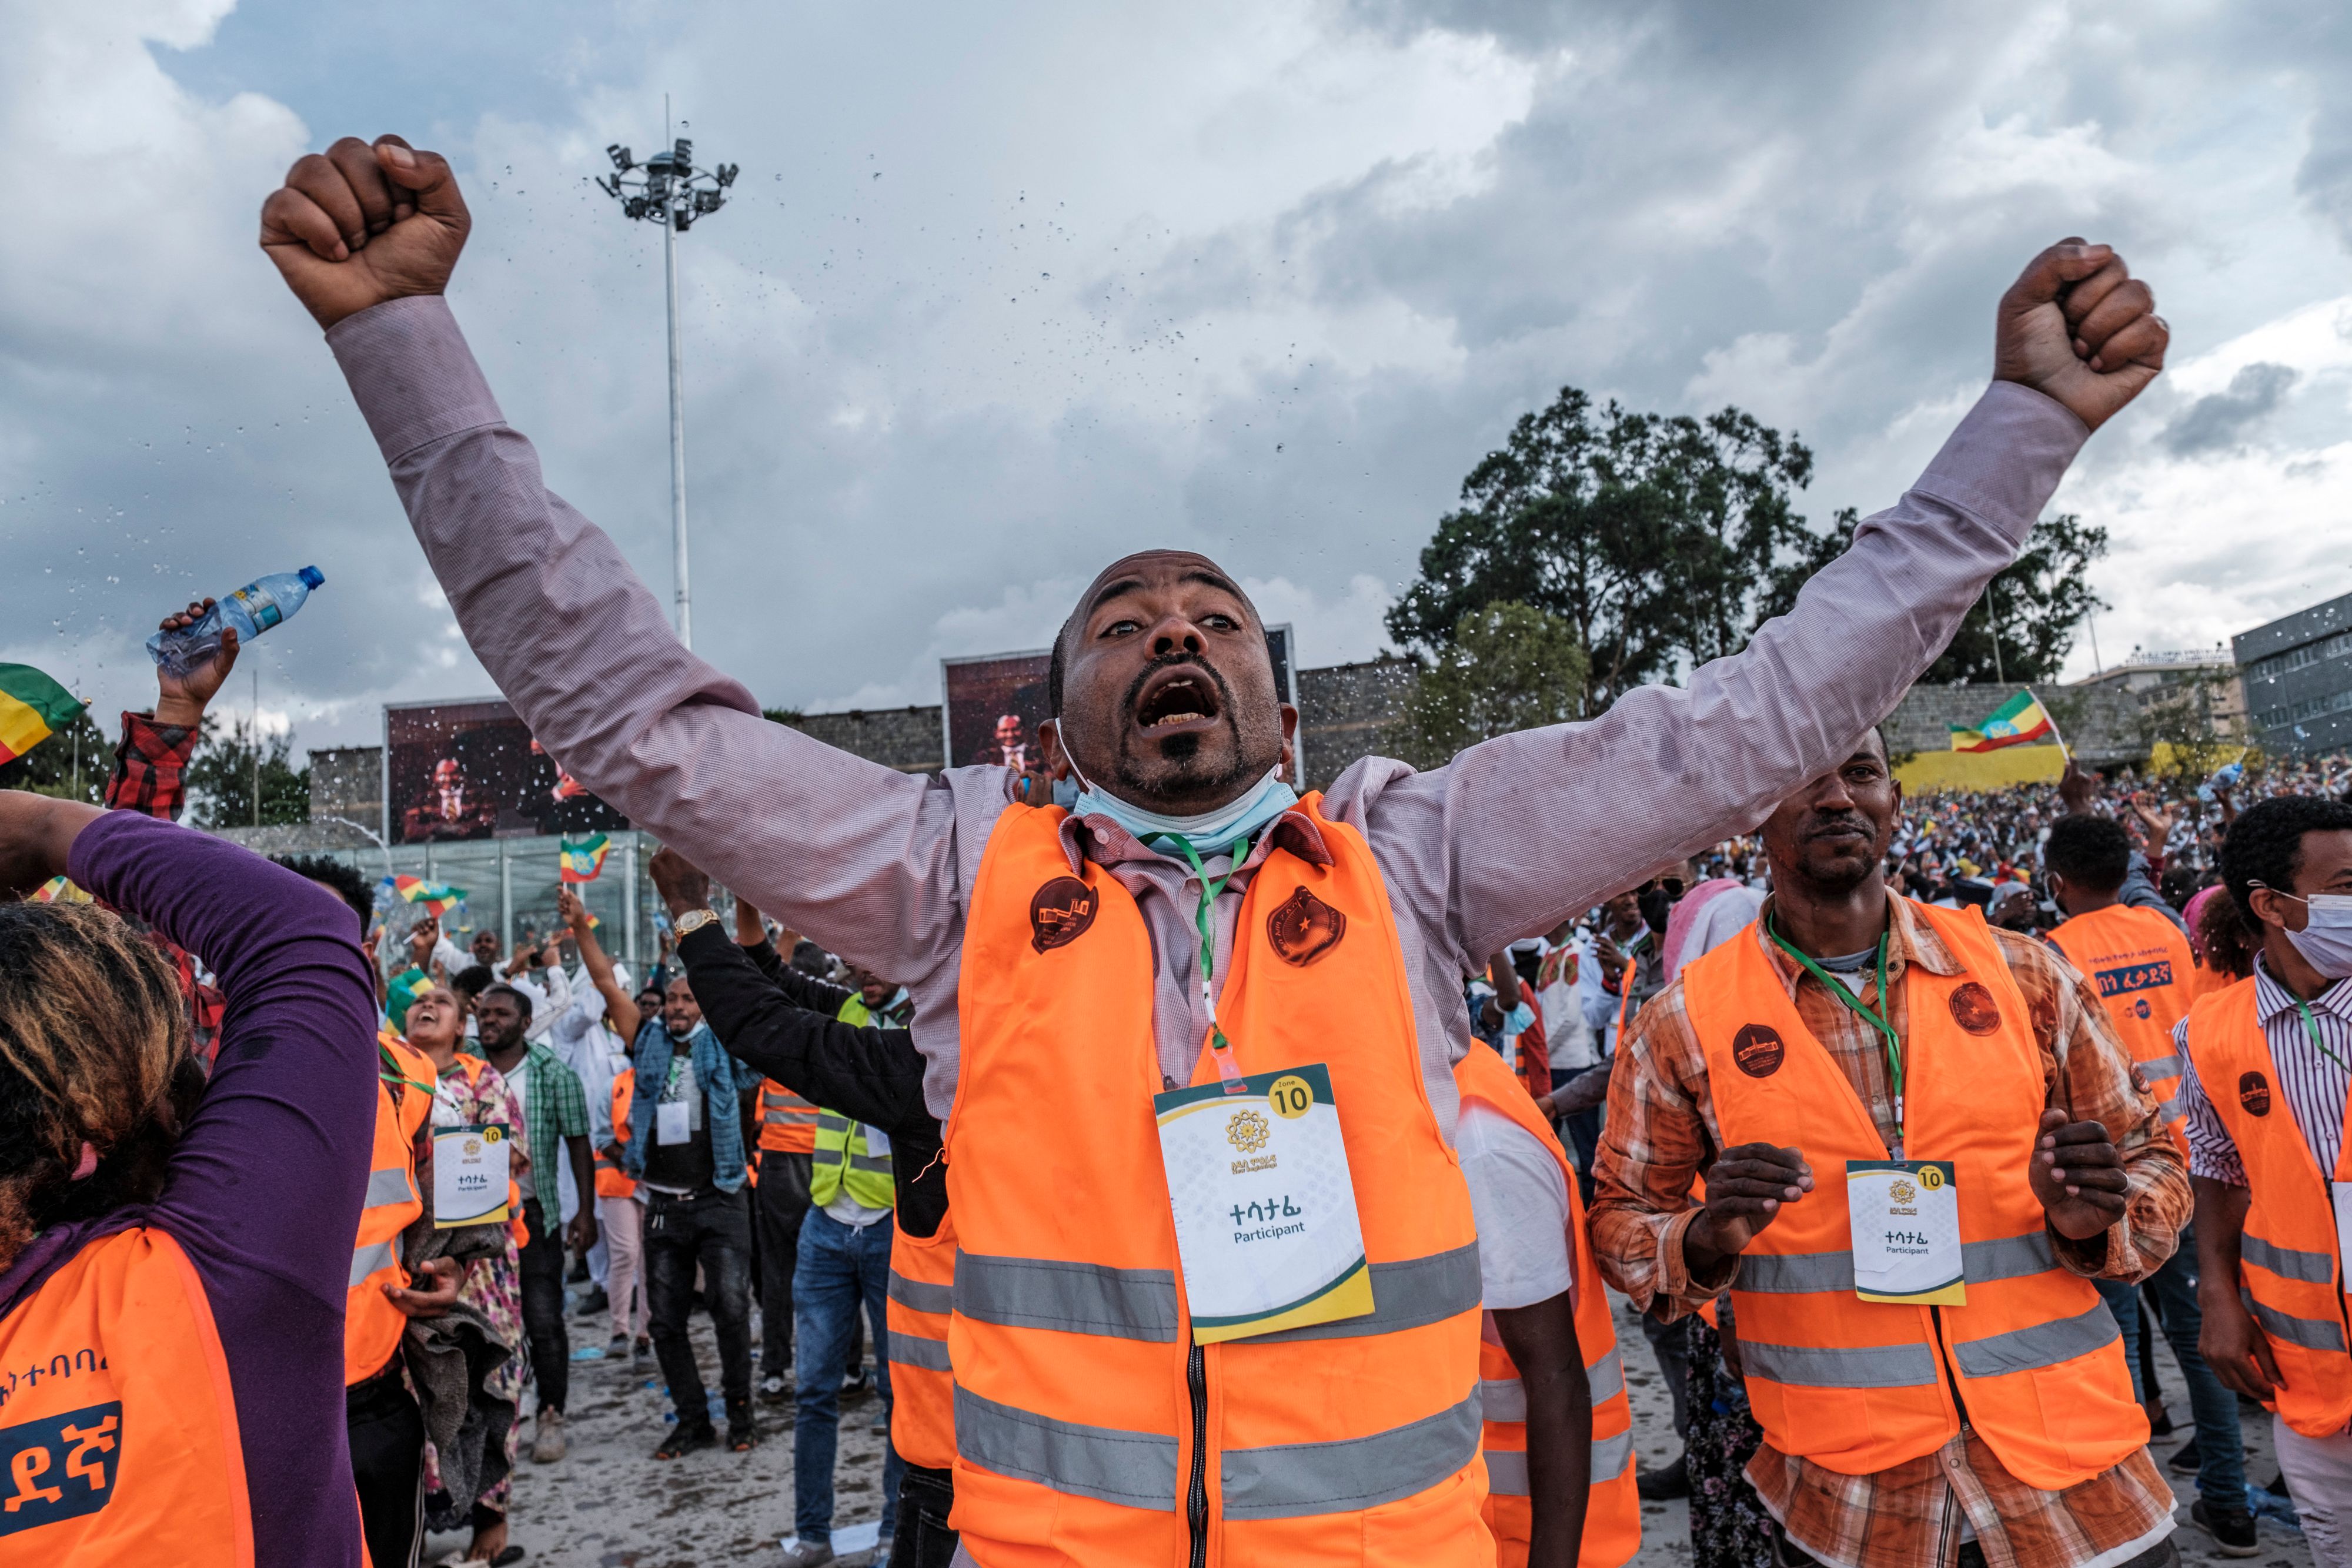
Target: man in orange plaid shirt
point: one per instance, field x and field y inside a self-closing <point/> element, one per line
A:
<point x="1874" y="1455"/>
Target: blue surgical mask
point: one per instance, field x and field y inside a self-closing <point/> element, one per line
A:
<point x="1519" y="1019"/>
<point x="1211" y="833"/>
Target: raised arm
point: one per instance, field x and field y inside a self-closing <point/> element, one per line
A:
<point x="1666" y="771"/>
<point x="619" y="1006"/>
<point x="861" y="855"/>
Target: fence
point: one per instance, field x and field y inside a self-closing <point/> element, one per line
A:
<point x="510" y="886"/>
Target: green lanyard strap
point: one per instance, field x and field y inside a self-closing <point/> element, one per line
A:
<point x="1874" y="1017"/>
<point x="393" y="1074"/>
<point x="2311" y="1027"/>
<point x="1203" y="918"/>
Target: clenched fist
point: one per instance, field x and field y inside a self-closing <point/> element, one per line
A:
<point x="2077" y="327"/>
<point x="356" y="225"/>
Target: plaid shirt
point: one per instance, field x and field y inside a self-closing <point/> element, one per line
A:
<point x="150" y="778"/>
<point x="554" y="1107"/>
<point x="1662" y="1133"/>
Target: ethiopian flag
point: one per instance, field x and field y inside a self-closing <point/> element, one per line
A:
<point x="2015" y="722"/>
<point x="438" y="898"/>
<point x="32" y="708"/>
<point x="584" y="858"/>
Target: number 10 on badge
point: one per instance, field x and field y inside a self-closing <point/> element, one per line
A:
<point x="1266" y="1213"/>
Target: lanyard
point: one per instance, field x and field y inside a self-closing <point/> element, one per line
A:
<point x="1219" y="1048"/>
<point x="393" y="1075"/>
<point x="2311" y="1027"/>
<point x="1874" y="1017"/>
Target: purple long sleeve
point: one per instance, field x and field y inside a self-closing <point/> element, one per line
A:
<point x="264" y="1191"/>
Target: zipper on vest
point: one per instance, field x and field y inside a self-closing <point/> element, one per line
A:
<point x="1944" y="1360"/>
<point x="1196" y="1496"/>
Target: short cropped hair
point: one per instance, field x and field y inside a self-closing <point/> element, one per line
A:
<point x="2091" y="852"/>
<point x="2265" y="844"/>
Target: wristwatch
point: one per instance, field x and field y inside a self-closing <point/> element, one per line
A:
<point x="692" y="921"/>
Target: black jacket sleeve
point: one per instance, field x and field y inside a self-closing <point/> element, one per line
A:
<point x="870" y="1076"/>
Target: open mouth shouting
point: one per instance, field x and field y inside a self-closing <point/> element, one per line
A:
<point x="1180" y="698"/>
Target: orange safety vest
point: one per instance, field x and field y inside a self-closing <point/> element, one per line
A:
<point x="1613" y="1518"/>
<point x="612" y="1181"/>
<point x="1089" y="1429"/>
<point x="2288" y="1273"/>
<point x="121" y="1428"/>
<point x="2147" y="976"/>
<point x="787" y="1122"/>
<point x="372" y="1325"/>
<point x="922" y="1383"/>
<point x="1861" y="1386"/>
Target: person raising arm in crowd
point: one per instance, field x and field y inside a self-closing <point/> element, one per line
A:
<point x="1190" y="910"/>
<point x="174" y="1249"/>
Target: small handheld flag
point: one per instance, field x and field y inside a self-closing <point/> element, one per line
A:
<point x="32" y="708"/>
<point x="583" y="859"/>
<point x="2015" y="722"/>
<point x="57" y="890"/>
<point x="438" y="898"/>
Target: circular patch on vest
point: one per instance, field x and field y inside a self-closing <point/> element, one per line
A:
<point x="1974" y="1009"/>
<point x="1758" y="1050"/>
<point x="1303" y="928"/>
<point x="1060" y="912"/>
<point x="2254" y="1093"/>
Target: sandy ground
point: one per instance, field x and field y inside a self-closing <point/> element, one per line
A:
<point x="611" y="1505"/>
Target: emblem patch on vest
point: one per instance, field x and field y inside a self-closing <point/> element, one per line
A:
<point x="1303" y="928"/>
<point x="1758" y="1050"/>
<point x="1060" y="912"/>
<point x="1974" y="1009"/>
<point x="60" y="1468"/>
<point x="2254" y="1093"/>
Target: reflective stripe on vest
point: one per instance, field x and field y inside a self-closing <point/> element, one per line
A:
<point x="920" y="1296"/>
<point x="2288" y="1272"/>
<point x="1612" y="1509"/>
<point x="1975" y="1092"/>
<point x="1078" y="1396"/>
<point x="787" y="1122"/>
<point x="842" y="1160"/>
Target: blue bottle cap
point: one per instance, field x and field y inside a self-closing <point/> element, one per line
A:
<point x="311" y="576"/>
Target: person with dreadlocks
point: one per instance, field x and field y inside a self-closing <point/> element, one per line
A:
<point x="173" y="1251"/>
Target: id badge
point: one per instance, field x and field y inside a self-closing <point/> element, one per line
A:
<point x="469" y="1175"/>
<point x="673" y="1122"/>
<point x="1267" y="1230"/>
<point x="1904" y="1219"/>
<point x="2339" y="1192"/>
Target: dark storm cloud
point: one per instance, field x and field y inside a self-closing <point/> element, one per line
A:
<point x="2222" y="421"/>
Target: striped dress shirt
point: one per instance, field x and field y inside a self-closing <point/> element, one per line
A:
<point x="2313" y="1084"/>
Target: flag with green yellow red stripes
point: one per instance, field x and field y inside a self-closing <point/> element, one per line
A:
<point x="32" y="708"/>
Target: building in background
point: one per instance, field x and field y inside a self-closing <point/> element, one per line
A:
<point x="2298" y="678"/>
<point x="2150" y="672"/>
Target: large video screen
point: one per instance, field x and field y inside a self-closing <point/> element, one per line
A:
<point x="456" y="770"/>
<point x="991" y="705"/>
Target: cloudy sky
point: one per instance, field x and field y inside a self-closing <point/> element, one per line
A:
<point x="1007" y="290"/>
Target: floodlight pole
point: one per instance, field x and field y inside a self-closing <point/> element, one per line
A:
<point x="676" y="443"/>
<point x="668" y="189"/>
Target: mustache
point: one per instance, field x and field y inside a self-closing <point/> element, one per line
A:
<point x="1842" y="822"/>
<point x="1170" y="661"/>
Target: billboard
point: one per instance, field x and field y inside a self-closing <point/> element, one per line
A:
<point x="459" y="770"/>
<point x="992" y="703"/>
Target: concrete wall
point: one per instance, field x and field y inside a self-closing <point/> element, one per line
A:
<point x="2102" y="726"/>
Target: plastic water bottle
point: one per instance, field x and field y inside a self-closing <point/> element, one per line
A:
<point x="252" y="610"/>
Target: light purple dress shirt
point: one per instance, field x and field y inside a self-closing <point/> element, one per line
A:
<point x="878" y="865"/>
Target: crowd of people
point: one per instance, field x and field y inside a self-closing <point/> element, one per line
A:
<point x="1195" y="1156"/>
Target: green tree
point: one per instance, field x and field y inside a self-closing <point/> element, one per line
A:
<point x="229" y="761"/>
<point x="2035" y="604"/>
<point x="2183" y="727"/>
<point x="1654" y="537"/>
<point x="1507" y="667"/>
<point x="72" y="764"/>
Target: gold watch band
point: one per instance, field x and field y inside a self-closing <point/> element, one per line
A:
<point x="694" y="920"/>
